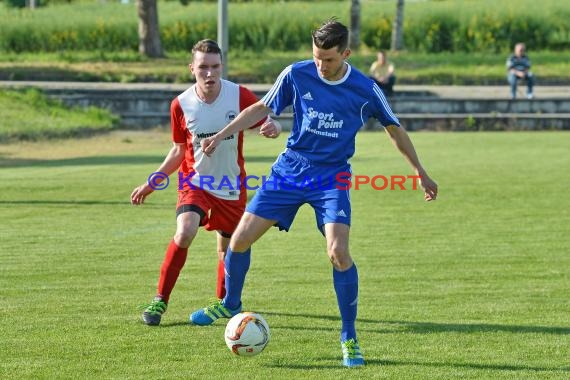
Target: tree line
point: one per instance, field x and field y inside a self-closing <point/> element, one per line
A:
<point x="149" y="31"/>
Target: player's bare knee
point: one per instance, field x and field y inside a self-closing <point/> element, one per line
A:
<point x="341" y="260"/>
<point x="183" y="238"/>
<point x="242" y="239"/>
<point x="240" y="243"/>
<point x="249" y="229"/>
<point x="337" y="248"/>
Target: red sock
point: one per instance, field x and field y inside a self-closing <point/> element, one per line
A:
<point x="174" y="260"/>
<point x="221" y="286"/>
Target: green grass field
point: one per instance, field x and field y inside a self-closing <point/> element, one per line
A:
<point x="472" y="286"/>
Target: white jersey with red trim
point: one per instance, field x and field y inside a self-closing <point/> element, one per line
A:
<point x="193" y="120"/>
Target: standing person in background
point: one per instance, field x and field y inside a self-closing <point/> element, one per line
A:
<point x="518" y="68"/>
<point x="331" y="102"/>
<point x="382" y="71"/>
<point x="201" y="111"/>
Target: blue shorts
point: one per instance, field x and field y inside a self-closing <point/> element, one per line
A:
<point x="294" y="181"/>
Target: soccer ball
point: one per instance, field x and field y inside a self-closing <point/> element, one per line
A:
<point x="247" y="334"/>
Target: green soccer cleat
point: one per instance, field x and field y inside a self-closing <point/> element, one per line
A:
<point x="351" y="355"/>
<point x="153" y="311"/>
<point x="211" y="313"/>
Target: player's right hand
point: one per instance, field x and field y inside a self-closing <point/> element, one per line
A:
<point x="140" y="193"/>
<point x="208" y="145"/>
<point x="430" y="188"/>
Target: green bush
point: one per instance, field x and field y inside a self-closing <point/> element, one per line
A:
<point x="21" y="3"/>
<point x="435" y="33"/>
<point x="378" y="33"/>
<point x="429" y="26"/>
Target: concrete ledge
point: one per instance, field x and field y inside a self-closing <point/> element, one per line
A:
<point x="481" y="106"/>
<point x="485" y="121"/>
<point x="143" y="105"/>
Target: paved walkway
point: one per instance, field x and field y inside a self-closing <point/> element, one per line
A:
<point x="457" y="92"/>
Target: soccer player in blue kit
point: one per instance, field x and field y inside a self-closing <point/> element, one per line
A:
<point x="331" y="101"/>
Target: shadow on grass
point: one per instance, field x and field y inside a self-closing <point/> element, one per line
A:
<point x="268" y="159"/>
<point x="75" y="202"/>
<point x="305" y="367"/>
<point x="431" y="327"/>
<point x="177" y="324"/>
<point x="55" y="135"/>
<point x="6" y="162"/>
<point x="41" y="72"/>
<point x="81" y="161"/>
<point x="387" y="363"/>
<point x="499" y="367"/>
<point x="66" y="74"/>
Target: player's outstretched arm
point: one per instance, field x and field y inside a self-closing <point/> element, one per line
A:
<point x="402" y="141"/>
<point x="171" y="162"/>
<point x="248" y="117"/>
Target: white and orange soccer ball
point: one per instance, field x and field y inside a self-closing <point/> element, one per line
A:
<point x="247" y="334"/>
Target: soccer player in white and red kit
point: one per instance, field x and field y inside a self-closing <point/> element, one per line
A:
<point x="210" y="193"/>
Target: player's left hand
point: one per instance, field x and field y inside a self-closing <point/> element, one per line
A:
<point x="140" y="193"/>
<point x="271" y="129"/>
<point x="430" y="188"/>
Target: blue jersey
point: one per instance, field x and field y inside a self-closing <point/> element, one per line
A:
<point x="327" y="115"/>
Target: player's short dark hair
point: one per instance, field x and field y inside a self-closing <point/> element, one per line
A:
<point x="330" y="34"/>
<point x="207" y="46"/>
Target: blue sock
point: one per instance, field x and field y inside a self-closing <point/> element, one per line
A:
<point x="346" y="288"/>
<point x="237" y="265"/>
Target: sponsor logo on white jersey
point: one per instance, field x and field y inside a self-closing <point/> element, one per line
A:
<point x="230" y="116"/>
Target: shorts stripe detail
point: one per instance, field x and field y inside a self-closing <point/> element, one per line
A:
<point x="187" y="208"/>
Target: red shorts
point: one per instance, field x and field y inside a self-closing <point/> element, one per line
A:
<point x="216" y="214"/>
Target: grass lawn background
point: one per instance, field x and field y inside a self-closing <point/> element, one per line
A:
<point x="474" y="285"/>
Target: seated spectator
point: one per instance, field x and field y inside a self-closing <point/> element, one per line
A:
<point x="518" y="66"/>
<point x="382" y="71"/>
